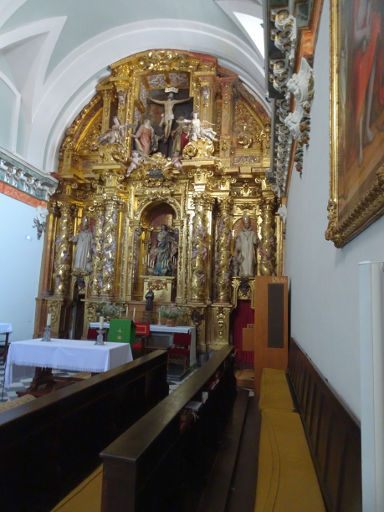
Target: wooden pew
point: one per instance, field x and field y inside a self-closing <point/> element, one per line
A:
<point x="49" y="445"/>
<point x="163" y="460"/>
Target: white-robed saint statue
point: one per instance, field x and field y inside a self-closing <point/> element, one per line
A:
<point x="83" y="240"/>
<point x="245" y="248"/>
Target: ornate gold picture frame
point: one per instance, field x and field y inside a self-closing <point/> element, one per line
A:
<point x="357" y="118"/>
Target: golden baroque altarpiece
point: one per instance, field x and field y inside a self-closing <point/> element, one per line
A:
<point x="159" y="167"/>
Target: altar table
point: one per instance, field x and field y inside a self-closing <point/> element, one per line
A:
<point x="185" y="329"/>
<point x="73" y="355"/>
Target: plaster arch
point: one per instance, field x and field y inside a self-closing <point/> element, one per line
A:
<point x="15" y="111"/>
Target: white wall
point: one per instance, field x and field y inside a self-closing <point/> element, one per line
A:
<point x="20" y="261"/>
<point x="324" y="280"/>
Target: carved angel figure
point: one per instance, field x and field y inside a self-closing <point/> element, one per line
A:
<point x="175" y="161"/>
<point x="199" y="129"/>
<point x="135" y="160"/>
<point x="116" y="134"/>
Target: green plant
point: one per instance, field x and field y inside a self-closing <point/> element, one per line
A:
<point x="107" y="309"/>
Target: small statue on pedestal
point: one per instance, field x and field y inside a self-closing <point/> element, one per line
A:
<point x="148" y="313"/>
<point x="149" y="296"/>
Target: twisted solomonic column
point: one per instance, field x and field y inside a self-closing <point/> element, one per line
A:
<point x="201" y="250"/>
<point x="62" y="264"/>
<point x="223" y="251"/>
<point x="267" y="245"/>
<point x="108" y="251"/>
<point x="96" y="275"/>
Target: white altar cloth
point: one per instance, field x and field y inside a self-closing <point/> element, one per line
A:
<point x="74" y="355"/>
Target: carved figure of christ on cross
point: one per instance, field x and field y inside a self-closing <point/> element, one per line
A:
<point x="168" y="118"/>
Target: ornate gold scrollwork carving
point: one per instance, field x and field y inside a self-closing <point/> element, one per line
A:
<point x="201" y="148"/>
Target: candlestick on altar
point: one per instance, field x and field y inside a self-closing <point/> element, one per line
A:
<point x="133" y="316"/>
<point x="49" y="317"/>
<point x="158" y="321"/>
<point x="101" y="322"/>
<point x="126" y="311"/>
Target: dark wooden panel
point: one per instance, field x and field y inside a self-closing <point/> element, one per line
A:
<point x="275" y="315"/>
<point x="333" y="435"/>
<point x="158" y="464"/>
<point x="215" y="495"/>
<point x="49" y="445"/>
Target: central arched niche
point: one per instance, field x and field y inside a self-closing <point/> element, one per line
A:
<point x="158" y="250"/>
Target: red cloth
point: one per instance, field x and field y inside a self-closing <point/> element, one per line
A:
<point x="142" y="329"/>
<point x="241" y="317"/>
<point x="184" y="140"/>
<point x="181" y="339"/>
<point x="365" y="56"/>
<point x="92" y="334"/>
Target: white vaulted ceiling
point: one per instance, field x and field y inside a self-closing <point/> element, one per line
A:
<point x="53" y="53"/>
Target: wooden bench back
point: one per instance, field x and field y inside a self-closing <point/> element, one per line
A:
<point x="49" y="445"/>
<point x="161" y="461"/>
<point x="333" y="435"/>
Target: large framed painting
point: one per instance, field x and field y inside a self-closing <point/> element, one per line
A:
<point x="357" y="117"/>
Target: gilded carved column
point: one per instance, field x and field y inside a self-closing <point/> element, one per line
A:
<point x="62" y="265"/>
<point x="201" y="241"/>
<point x="223" y="247"/>
<point x="47" y="263"/>
<point x="226" y="116"/>
<point x="267" y="246"/>
<point x="95" y="279"/>
<point x="207" y="96"/>
<point x="123" y="88"/>
<point x="108" y="251"/>
<point x="106" y="115"/>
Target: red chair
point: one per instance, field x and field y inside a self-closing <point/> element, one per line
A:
<point x="181" y="350"/>
<point x="142" y="333"/>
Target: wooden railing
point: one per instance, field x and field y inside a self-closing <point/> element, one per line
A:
<point x="49" y="445"/>
<point x="162" y="461"/>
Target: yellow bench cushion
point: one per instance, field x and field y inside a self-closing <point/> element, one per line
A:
<point x="274" y="390"/>
<point x="86" y="497"/>
<point x="287" y="480"/>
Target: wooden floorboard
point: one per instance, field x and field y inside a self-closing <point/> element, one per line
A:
<point x="215" y="495"/>
<point x="243" y="489"/>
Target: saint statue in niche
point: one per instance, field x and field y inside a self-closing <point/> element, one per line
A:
<point x="83" y="240"/>
<point x="163" y="254"/>
<point x="245" y="250"/>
